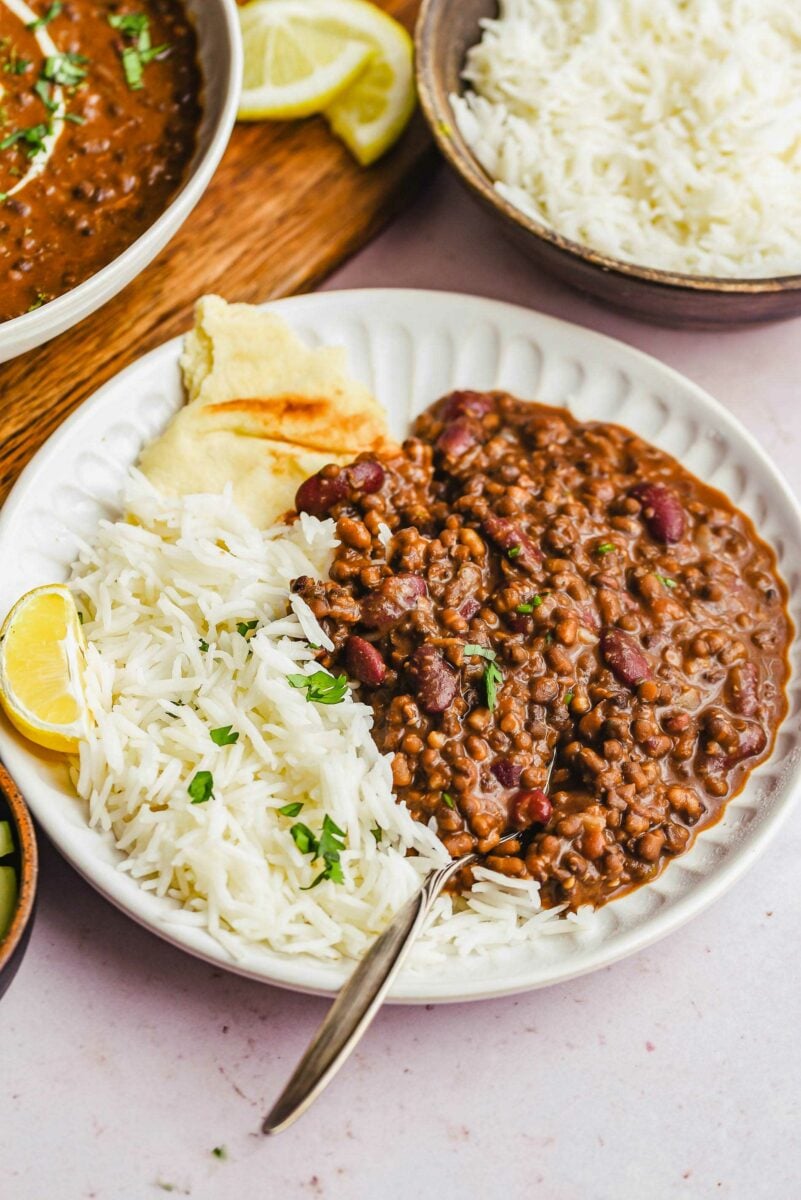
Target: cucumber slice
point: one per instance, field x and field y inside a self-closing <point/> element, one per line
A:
<point x="8" y="898"/>
<point x="6" y="839"/>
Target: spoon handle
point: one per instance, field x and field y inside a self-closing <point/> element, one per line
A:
<point x="358" y="1002"/>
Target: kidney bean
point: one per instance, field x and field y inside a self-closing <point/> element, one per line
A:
<point x="624" y="657"/>
<point x="436" y="681"/>
<point x="364" y="662"/>
<point x="507" y="773"/>
<point x="466" y="404"/>
<point x="530" y="808"/>
<point x="520" y="623"/>
<point x="509" y="536"/>
<point x="753" y="741"/>
<point x="394" y="599"/>
<point x="456" y="439"/>
<point x="661" y="511"/>
<point x="469" y="607"/>
<point x="742" y="686"/>
<point x="318" y="494"/>
<point x="366" y="476"/>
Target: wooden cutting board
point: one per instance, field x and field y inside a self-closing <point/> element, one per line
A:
<point x="288" y="204"/>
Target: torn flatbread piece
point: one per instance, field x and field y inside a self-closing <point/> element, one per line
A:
<point x="263" y="413"/>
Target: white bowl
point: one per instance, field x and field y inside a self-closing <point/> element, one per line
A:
<point x="220" y="52"/>
<point x="409" y="347"/>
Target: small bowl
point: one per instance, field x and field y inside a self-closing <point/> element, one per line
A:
<point x="220" y="53"/>
<point x="446" y="29"/>
<point x="15" y="943"/>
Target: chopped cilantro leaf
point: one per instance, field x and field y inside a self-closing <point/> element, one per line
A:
<point x="245" y="627"/>
<point x="66" y="69"/>
<point x="204" y="645"/>
<point x="480" y="652"/>
<point x="321" y="688"/>
<point x="448" y="799"/>
<point x="493" y="677"/>
<point x="44" y="91"/>
<point x="568" y="697"/>
<point x="220" y="1152"/>
<point x="668" y="582"/>
<point x="291" y="810"/>
<point x="224" y="736"/>
<point x="201" y="787"/>
<point x="32" y="139"/>
<point x="377" y="833"/>
<point x="525" y="608"/>
<point x="513" y="551"/>
<point x="605" y="548"/>
<point x="50" y="15"/>
<point x="135" y="57"/>
<point x="303" y="838"/>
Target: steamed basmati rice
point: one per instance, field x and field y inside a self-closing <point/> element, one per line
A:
<point x="661" y="132"/>
<point x="167" y="595"/>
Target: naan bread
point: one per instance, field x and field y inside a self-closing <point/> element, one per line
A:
<point x="263" y="413"/>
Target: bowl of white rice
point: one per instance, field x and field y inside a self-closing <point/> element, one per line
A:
<point x="647" y="152"/>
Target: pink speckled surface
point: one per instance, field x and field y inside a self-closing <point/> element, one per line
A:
<point x="673" y="1074"/>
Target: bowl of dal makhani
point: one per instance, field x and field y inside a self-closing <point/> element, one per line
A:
<point x="114" y="118"/>
<point x="645" y="153"/>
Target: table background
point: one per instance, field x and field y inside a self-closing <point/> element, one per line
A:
<point x="676" y="1073"/>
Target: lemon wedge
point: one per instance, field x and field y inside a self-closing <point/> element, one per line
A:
<point x="41" y="668"/>
<point x="371" y="114"/>
<point x="344" y="58"/>
<point x="294" y="63"/>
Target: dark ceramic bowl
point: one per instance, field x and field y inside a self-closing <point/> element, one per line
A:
<point x="26" y="860"/>
<point x="446" y="29"/>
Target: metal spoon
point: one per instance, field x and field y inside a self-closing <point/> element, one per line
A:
<point x="361" y="997"/>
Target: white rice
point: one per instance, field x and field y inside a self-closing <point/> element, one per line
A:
<point x="151" y="587"/>
<point x="661" y="132"/>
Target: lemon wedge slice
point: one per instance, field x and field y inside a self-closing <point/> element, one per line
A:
<point x="371" y="114"/>
<point x="344" y="58"/>
<point x="41" y="668"/>
<point x="295" y="64"/>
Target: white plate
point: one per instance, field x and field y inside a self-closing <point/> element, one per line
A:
<point x="410" y="347"/>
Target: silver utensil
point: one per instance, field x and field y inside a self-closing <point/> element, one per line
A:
<point x="361" y="997"/>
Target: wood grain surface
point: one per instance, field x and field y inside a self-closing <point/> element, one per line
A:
<point x="288" y="204"/>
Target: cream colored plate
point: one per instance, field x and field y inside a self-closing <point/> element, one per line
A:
<point x="410" y="347"/>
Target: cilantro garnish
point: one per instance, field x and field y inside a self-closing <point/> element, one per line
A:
<point x="303" y="838"/>
<point x="513" y="551"/>
<point x="50" y="15"/>
<point x="321" y="688"/>
<point x="203" y="644"/>
<point x="201" y="787"/>
<point x="136" y="27"/>
<point x="291" y="810"/>
<point x="605" y="548"/>
<point x="377" y="833"/>
<point x="568" y="697"/>
<point x="328" y="847"/>
<point x="224" y="736"/>
<point x="525" y="608"/>
<point x="493" y="677"/>
<point x="66" y="69"/>
<point x="669" y="583"/>
<point x="448" y="799"/>
<point x="220" y="1152"/>
<point x="479" y="651"/>
<point x="33" y="139"/>
<point x="245" y="627"/>
<point x="44" y="91"/>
